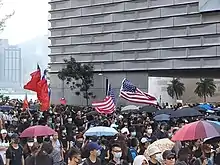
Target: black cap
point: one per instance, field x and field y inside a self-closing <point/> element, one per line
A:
<point x="167" y="154"/>
<point x="15" y="136"/>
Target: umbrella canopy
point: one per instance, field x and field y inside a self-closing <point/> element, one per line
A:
<point x="101" y="131"/>
<point x="197" y="130"/>
<point x="130" y="108"/>
<point x="163" y="144"/>
<point x="37" y="130"/>
<point x="162" y="117"/>
<point x="167" y="111"/>
<point x="185" y="112"/>
<point x="205" y="106"/>
<point x="149" y="109"/>
<point x="213" y="117"/>
<point x="6" y="107"/>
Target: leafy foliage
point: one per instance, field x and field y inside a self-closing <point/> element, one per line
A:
<point x="175" y="88"/>
<point x="5" y="18"/>
<point x="79" y="77"/>
<point x="205" y="88"/>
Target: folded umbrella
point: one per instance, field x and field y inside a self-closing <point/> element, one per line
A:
<point x="197" y="130"/>
<point x="37" y="130"/>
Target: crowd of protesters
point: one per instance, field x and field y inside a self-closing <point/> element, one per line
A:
<point x="70" y="146"/>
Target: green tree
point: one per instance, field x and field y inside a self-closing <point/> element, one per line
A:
<point x="79" y="77"/>
<point x="205" y="88"/>
<point x="176" y="88"/>
<point x="5" y="18"/>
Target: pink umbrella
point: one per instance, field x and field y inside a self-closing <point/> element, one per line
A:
<point x="37" y="130"/>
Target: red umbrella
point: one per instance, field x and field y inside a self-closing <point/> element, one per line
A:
<point x="37" y="130"/>
<point x="197" y="130"/>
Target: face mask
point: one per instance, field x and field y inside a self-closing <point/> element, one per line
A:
<point x="30" y="144"/>
<point x="159" y="157"/>
<point x="10" y="134"/>
<point x="98" y="153"/>
<point x="118" y="155"/>
<point x="133" y="133"/>
<point x="69" y="120"/>
<point x="25" y="120"/>
<point x="149" y="131"/>
<point x="64" y="131"/>
<point x="170" y="134"/>
<point x="58" y="124"/>
<point x="35" y="139"/>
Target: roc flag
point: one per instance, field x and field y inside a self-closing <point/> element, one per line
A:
<point x="25" y="103"/>
<point x="35" y="78"/>
<point x="43" y="93"/>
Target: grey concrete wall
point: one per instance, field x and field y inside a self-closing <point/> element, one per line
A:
<point x="139" y="79"/>
<point x="140" y="35"/>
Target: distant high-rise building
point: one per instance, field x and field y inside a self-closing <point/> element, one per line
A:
<point x="10" y="65"/>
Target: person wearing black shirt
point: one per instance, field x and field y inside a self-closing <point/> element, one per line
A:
<point x="14" y="153"/>
<point x="94" y="152"/>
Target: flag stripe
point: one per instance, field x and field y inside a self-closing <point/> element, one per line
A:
<point x="137" y="99"/>
<point x="106" y="106"/>
<point x="131" y="93"/>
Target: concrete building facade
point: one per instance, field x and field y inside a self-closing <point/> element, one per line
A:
<point x="133" y="39"/>
<point x="11" y="66"/>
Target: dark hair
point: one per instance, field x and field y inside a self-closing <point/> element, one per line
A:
<point x="46" y="148"/>
<point x="73" y="152"/>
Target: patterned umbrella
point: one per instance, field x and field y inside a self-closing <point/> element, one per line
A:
<point x="197" y="130"/>
<point x="163" y="144"/>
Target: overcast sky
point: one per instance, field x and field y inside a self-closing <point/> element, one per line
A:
<point x="29" y="21"/>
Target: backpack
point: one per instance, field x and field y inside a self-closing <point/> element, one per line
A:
<point x="133" y="153"/>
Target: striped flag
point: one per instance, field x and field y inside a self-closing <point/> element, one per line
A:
<point x="106" y="106"/>
<point x="111" y="93"/>
<point x="131" y="93"/>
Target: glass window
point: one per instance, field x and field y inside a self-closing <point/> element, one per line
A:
<point x="209" y="5"/>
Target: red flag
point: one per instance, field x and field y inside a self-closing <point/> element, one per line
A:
<point x="25" y="103"/>
<point x="43" y="95"/>
<point x="35" y="78"/>
<point x="63" y="101"/>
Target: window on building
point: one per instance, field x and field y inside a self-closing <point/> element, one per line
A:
<point x="209" y="5"/>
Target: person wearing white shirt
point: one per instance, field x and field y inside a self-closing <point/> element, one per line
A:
<point x="4" y="144"/>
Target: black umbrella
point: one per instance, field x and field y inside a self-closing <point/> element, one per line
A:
<point x="148" y="109"/>
<point x="185" y="112"/>
<point x="166" y="111"/>
<point x="213" y="117"/>
<point x="162" y="117"/>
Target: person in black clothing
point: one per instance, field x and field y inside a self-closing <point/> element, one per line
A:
<point x="74" y="156"/>
<point x="14" y="153"/>
<point x="94" y="152"/>
<point x="116" y="155"/>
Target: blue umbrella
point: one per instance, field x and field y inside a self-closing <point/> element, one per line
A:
<point x="205" y="106"/>
<point x="6" y="107"/>
<point x="162" y="117"/>
<point x="101" y="131"/>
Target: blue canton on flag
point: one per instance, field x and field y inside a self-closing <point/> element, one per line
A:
<point x="127" y="86"/>
<point x="111" y="93"/>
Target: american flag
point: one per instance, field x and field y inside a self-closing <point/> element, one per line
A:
<point x="111" y="93"/>
<point x="131" y="93"/>
<point x="106" y="106"/>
